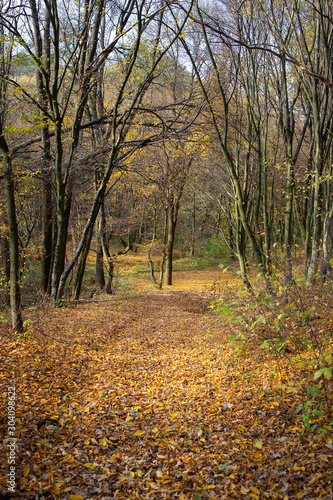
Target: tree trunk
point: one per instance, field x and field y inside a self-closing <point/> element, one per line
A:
<point x="15" y="290"/>
<point x="151" y="266"/>
<point x="165" y="233"/>
<point x="47" y="234"/>
<point x="241" y="251"/>
<point x="43" y="54"/>
<point x="64" y="205"/>
<point x="99" y="267"/>
<point x="172" y="219"/>
<point x="5" y="254"/>
<point x="82" y="265"/>
<point x="106" y="253"/>
<point x="288" y="129"/>
<point x="314" y="253"/>
<point x="326" y="236"/>
<point x="193" y="226"/>
<point x="317" y="191"/>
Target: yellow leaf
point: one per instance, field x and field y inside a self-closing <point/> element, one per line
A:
<point x="254" y="490"/>
<point x="244" y="490"/>
<point x="155" y="430"/>
<point x="75" y="497"/>
<point x="103" y="442"/>
<point x="128" y="419"/>
<point x="89" y="465"/>
<point x="315" y="479"/>
<point x="154" y="486"/>
<point x="26" y="470"/>
<point x="132" y="474"/>
<point x="209" y="487"/>
<point x="257" y="443"/>
<point x="174" y="414"/>
<point x="139" y="433"/>
<point x="325" y="459"/>
<point x="328" y="359"/>
<point x="159" y="473"/>
<point x="299" y="495"/>
<point x="86" y="441"/>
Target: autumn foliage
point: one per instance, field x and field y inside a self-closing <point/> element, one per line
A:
<point x="156" y="395"/>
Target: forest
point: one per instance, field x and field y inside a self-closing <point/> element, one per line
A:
<point x="166" y="208"/>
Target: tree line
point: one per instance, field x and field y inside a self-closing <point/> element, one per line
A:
<point x="120" y="118"/>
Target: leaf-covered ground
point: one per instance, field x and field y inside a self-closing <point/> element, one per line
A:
<point x="148" y="399"/>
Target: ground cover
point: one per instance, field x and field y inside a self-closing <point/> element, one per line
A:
<point x="145" y="395"/>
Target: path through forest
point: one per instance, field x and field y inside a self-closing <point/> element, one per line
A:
<point x="149" y="399"/>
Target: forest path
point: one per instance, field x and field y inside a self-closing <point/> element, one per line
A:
<point x="152" y="401"/>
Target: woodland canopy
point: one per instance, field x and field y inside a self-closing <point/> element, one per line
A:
<point x="136" y="137"/>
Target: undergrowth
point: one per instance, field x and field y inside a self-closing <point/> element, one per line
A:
<point x="294" y="328"/>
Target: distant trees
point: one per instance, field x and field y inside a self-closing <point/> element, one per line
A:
<point x="276" y="56"/>
<point x="230" y="102"/>
<point x="72" y="45"/>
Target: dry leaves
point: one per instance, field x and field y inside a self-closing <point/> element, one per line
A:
<point x="149" y="400"/>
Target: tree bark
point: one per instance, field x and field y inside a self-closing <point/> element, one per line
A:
<point x="5" y="254"/>
<point x="172" y="220"/>
<point x="106" y="253"/>
<point x="15" y="290"/>
<point x="47" y="233"/>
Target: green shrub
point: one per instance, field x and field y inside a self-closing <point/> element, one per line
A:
<point x="215" y="246"/>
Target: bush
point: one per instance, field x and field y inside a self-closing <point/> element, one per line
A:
<point x="293" y="331"/>
<point x="215" y="246"/>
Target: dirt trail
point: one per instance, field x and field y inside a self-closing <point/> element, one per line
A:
<point x="152" y="402"/>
